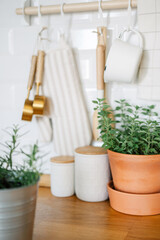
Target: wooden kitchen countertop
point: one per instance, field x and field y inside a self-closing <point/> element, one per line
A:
<point x="72" y="219"/>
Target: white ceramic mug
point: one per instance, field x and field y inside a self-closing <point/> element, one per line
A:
<point x="124" y="59"/>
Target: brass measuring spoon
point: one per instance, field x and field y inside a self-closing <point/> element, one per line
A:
<point x="28" y="108"/>
<point x="39" y="101"/>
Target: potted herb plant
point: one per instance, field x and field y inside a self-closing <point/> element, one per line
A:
<point x="133" y="145"/>
<point x="18" y="189"/>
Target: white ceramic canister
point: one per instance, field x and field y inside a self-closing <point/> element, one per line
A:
<point x="92" y="173"/>
<point x="62" y="176"/>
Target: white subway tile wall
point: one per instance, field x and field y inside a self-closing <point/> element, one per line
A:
<point x="22" y="40"/>
<point x="18" y="41"/>
<point x="149" y="25"/>
<point x="158" y="22"/>
<point x="152" y="41"/>
<point x="149" y="6"/>
<point x="157" y="6"/>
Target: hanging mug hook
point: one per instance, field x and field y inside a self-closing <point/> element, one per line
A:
<point x="100" y="12"/>
<point x="129" y="15"/>
<point x="61" y="31"/>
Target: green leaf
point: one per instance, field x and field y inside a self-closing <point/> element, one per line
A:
<point x="94" y="101"/>
<point x="152" y="106"/>
<point x="129" y="110"/>
<point x="137" y="128"/>
<point x="118" y="108"/>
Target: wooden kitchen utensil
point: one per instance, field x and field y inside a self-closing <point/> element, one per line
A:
<point x="39" y="101"/>
<point x="101" y="86"/>
<point x="100" y="62"/>
<point x="28" y="108"/>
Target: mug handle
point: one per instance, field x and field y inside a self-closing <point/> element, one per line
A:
<point x="134" y="31"/>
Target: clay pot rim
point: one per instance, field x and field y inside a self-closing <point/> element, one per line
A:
<point x="134" y="204"/>
<point x="110" y="186"/>
<point x="135" y="155"/>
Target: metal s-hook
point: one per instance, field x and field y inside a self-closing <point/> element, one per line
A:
<point x="100" y="12"/>
<point x="101" y="30"/>
<point x="39" y="13"/>
<point x="42" y="29"/>
<point x="62" y="7"/>
<point x="40" y="34"/>
<point x="129" y="14"/>
<point x="40" y="38"/>
<point x="61" y="31"/>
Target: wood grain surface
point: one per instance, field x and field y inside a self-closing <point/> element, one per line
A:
<point x="45" y="180"/>
<point x="72" y="219"/>
<point x="90" y="150"/>
<point x="62" y="159"/>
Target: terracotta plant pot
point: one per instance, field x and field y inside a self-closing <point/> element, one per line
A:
<point x="135" y="173"/>
<point x="134" y="204"/>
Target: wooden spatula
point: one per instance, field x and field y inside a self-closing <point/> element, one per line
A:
<point x="100" y="63"/>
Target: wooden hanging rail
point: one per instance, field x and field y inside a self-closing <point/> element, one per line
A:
<point x="77" y="7"/>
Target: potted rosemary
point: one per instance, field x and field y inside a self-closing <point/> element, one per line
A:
<point x="133" y="145"/>
<point x="18" y="189"/>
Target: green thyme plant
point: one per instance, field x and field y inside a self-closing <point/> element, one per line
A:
<point x="137" y="128"/>
<point x="12" y="176"/>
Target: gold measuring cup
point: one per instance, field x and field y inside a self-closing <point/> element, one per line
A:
<point x="28" y="108"/>
<point x="39" y="101"/>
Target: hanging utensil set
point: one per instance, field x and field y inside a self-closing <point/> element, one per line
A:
<point x="36" y="106"/>
<point x="28" y="108"/>
<point x="39" y="101"/>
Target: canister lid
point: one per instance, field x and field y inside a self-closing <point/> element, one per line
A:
<point x="62" y="159"/>
<point x="91" y="150"/>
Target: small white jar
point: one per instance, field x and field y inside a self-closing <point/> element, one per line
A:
<point x="62" y="176"/>
<point x="92" y="173"/>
